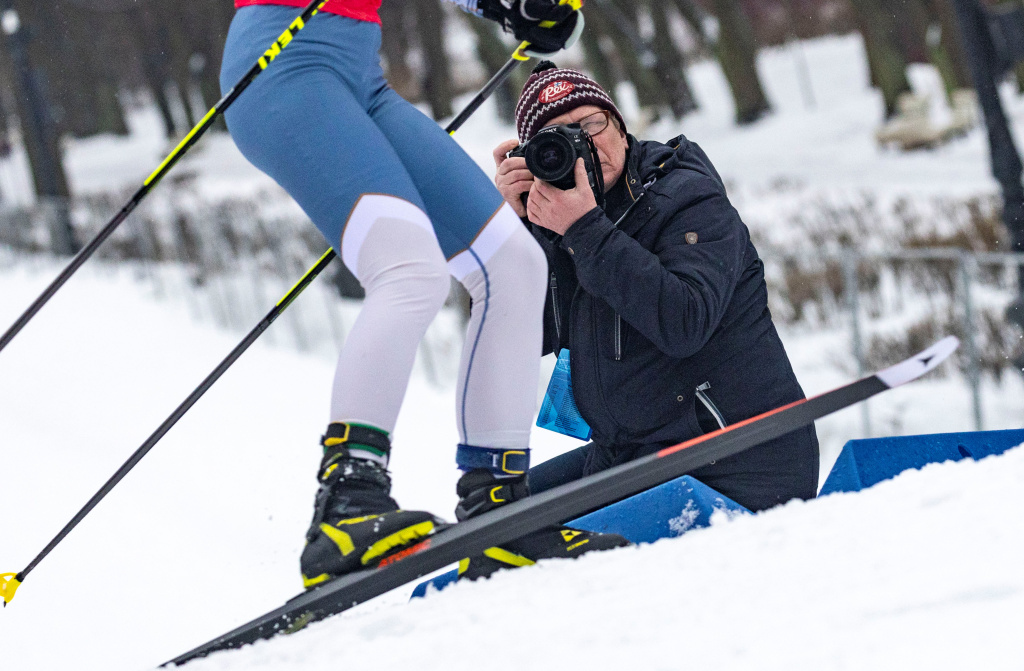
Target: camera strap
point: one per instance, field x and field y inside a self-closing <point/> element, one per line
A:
<point x="598" y="173"/>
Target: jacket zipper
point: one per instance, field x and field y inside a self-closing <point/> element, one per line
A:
<point x="594" y="330"/>
<point x="554" y="306"/>
<point x="710" y="405"/>
<point x="618" y="337"/>
<point x="618" y="319"/>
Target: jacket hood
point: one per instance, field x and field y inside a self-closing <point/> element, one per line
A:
<point x="649" y="161"/>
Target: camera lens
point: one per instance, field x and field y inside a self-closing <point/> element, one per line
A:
<point x="550" y="156"/>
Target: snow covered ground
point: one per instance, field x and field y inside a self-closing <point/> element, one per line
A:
<point x="920" y="572"/>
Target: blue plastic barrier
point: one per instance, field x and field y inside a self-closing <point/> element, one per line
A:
<point x="863" y="463"/>
<point x="667" y="510"/>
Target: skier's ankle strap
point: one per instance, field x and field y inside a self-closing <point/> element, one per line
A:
<point x="349" y="436"/>
<point x="499" y="461"/>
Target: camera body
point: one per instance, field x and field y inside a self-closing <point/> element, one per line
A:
<point x="551" y="156"/>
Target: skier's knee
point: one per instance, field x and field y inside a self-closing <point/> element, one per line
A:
<point x="395" y="256"/>
<point x="517" y="271"/>
<point x="413" y="283"/>
<point x="532" y="264"/>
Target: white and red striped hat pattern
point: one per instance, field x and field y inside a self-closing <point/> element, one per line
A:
<point x="552" y="91"/>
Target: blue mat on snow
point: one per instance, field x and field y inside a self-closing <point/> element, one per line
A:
<point x="867" y="462"/>
<point x="664" y="511"/>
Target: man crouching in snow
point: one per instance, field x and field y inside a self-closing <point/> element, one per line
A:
<point x="660" y="297"/>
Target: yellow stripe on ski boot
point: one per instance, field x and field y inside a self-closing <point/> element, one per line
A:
<point x="9" y="584"/>
<point x="506" y="557"/>
<point x="312" y="582"/>
<point x="403" y="537"/>
<point x="463" y="565"/>
<point x="340" y="538"/>
<point x="357" y="520"/>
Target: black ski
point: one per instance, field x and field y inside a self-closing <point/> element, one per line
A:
<point x="563" y="503"/>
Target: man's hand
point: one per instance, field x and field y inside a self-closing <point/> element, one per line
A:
<point x="556" y="210"/>
<point x="513" y="179"/>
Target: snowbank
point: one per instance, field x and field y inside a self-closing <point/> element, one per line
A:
<point x="919" y="572"/>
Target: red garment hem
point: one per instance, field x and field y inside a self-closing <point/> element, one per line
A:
<point x="333" y="7"/>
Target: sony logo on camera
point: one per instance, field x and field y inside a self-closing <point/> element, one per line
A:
<point x="555" y="91"/>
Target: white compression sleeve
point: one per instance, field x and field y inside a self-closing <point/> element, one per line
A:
<point x="390" y="246"/>
<point x="497" y="393"/>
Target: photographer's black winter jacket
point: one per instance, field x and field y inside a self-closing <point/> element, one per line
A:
<point x="668" y="307"/>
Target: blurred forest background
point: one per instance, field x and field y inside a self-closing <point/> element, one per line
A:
<point x="74" y="69"/>
<point x="70" y="68"/>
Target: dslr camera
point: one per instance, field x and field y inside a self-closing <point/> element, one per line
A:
<point x="551" y="156"/>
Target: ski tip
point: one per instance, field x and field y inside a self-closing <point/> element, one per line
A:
<point x="919" y="364"/>
<point x="9" y="584"/>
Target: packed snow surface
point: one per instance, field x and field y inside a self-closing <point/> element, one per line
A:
<point x="922" y="572"/>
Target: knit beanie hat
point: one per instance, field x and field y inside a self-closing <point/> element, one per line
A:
<point x="552" y="91"/>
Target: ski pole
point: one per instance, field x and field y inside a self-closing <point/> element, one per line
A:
<point x="9" y="582"/>
<point x="520" y="55"/>
<point x="79" y="259"/>
<point x="200" y="129"/>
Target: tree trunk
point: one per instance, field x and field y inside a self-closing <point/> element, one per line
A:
<point x="737" y="52"/>
<point x="493" y="54"/>
<point x="695" y="16"/>
<point x="951" y="41"/>
<point x="437" y="81"/>
<point x="611" y="21"/>
<point x="208" y="27"/>
<point x="926" y="24"/>
<point x="886" y="60"/>
<point x="395" y="47"/>
<point x="598" y="61"/>
<point x="670" y="67"/>
<point x="39" y="131"/>
<point x="85" y="89"/>
<point x="152" y="44"/>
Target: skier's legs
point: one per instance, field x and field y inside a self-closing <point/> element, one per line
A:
<point x="401" y="267"/>
<point x="496" y="259"/>
<point x="301" y="124"/>
<point x="307" y="123"/>
<point x="497" y="392"/>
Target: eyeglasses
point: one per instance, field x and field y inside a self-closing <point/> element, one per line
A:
<point x="595" y="123"/>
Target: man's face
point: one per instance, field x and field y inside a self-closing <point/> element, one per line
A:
<point x="611" y="142"/>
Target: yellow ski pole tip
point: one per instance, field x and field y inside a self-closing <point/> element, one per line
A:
<point x="8" y="586"/>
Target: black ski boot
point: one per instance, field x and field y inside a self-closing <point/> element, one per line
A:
<point x="479" y="491"/>
<point x="356" y="524"/>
